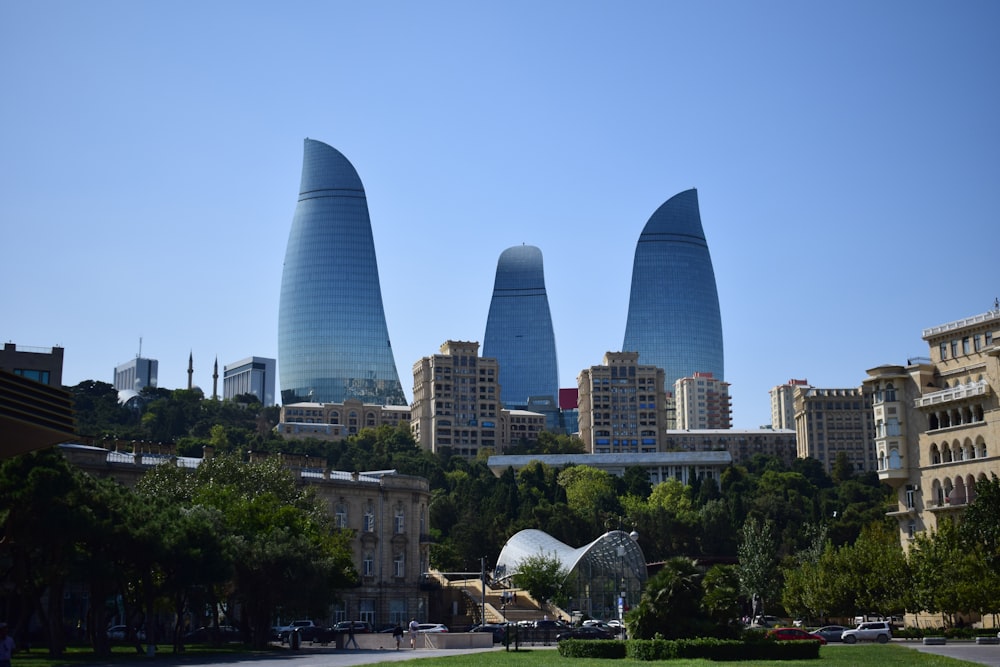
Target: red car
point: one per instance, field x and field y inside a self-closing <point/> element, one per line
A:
<point x="793" y="634"/>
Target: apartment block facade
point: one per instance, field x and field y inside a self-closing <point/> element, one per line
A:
<point x="702" y="401"/>
<point x="831" y="421"/>
<point x="457" y="404"/>
<point x="937" y="421"/>
<point x="622" y="406"/>
<point x="783" y="404"/>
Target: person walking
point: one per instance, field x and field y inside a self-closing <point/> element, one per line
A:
<point x="6" y="646"/>
<point x="397" y="634"/>
<point x="351" y="639"/>
<point x="414" y="627"/>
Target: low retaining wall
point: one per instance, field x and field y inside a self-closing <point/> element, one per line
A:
<point x="444" y="640"/>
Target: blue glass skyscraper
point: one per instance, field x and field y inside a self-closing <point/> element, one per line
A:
<point x="673" y="311"/>
<point x="333" y="342"/>
<point x="519" y="329"/>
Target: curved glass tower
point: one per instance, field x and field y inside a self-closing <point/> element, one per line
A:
<point x="519" y="328"/>
<point x="673" y="311"/>
<point x="333" y="342"/>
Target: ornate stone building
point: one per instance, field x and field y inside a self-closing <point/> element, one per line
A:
<point x="937" y="421"/>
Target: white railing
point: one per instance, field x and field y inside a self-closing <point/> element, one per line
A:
<point x="953" y="394"/>
<point x="959" y="324"/>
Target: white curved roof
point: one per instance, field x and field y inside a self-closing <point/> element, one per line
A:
<point x="608" y="553"/>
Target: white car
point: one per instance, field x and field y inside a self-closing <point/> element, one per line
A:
<point x="879" y="631"/>
<point x="432" y="627"/>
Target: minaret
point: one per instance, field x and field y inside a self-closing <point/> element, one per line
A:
<point x="215" y="380"/>
<point x="191" y="370"/>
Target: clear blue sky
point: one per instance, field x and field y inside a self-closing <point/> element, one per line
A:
<point x="845" y="155"/>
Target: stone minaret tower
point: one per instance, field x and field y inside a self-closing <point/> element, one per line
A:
<point x="191" y="370"/>
<point x="215" y="380"/>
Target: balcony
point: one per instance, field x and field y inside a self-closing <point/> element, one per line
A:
<point x="894" y="476"/>
<point x="962" y="392"/>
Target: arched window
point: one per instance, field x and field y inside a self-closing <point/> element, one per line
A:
<point x="935" y="454"/>
<point x="890" y="393"/>
<point x="894" y="460"/>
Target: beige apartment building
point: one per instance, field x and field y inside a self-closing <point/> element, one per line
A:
<point x="622" y="406"/>
<point x="937" y="421"/>
<point x="783" y="404"/>
<point x="457" y="404"/>
<point x="831" y="421"/>
<point x="336" y="421"/>
<point x="702" y="401"/>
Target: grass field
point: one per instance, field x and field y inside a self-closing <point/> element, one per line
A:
<point x="875" y="655"/>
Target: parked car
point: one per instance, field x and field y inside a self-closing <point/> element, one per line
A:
<point x="499" y="631"/>
<point x="879" y="631"/>
<point x="550" y="624"/>
<point x="793" y="634"/>
<point x="208" y="634"/>
<point x="119" y="633"/>
<point x="432" y="627"/>
<point x="360" y="627"/>
<point x="831" y="633"/>
<point x="296" y="625"/>
<point x="584" y="632"/>
<point x="765" y="622"/>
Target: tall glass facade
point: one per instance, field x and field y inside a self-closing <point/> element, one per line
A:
<point x="673" y="312"/>
<point x="333" y="342"/>
<point x="519" y="329"/>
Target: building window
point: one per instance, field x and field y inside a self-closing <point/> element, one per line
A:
<point x="944" y="351"/>
<point x="911" y="530"/>
<point x="368" y="564"/>
<point x="367" y="610"/>
<point x="340" y="515"/>
<point x="911" y="494"/>
<point x="369" y="526"/>
<point x="400" y="523"/>
<point x="397" y="612"/>
<point x="954" y="348"/>
<point x="399" y="566"/>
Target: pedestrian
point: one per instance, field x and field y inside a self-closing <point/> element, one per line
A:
<point x="414" y="627"/>
<point x="397" y="634"/>
<point x="351" y="639"/>
<point x="6" y="646"/>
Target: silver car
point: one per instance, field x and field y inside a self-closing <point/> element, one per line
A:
<point x="879" y="631"/>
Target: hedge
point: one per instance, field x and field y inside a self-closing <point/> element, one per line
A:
<point x="675" y="649"/>
<point x="592" y="648"/>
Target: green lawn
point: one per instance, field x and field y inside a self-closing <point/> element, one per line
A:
<point x="876" y="655"/>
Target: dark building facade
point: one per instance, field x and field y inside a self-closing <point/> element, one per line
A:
<point x="674" y="321"/>
<point x="333" y="341"/>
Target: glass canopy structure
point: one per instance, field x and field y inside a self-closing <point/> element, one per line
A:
<point x="604" y="577"/>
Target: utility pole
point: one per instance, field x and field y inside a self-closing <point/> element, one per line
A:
<point x="482" y="566"/>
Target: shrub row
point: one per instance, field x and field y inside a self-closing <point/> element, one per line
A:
<point x="950" y="633"/>
<point x="592" y="648"/>
<point x="706" y="648"/>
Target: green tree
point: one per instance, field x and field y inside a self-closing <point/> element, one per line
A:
<point x="670" y="605"/>
<point x="758" y="566"/>
<point x="542" y="575"/>
<point x="285" y="551"/>
<point x="590" y="493"/>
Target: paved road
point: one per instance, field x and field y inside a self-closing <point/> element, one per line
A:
<point x="983" y="654"/>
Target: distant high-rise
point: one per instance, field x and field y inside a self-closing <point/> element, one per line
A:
<point x="673" y="313"/>
<point x="253" y="375"/>
<point x="519" y="328"/>
<point x="136" y="374"/>
<point x="333" y="341"/>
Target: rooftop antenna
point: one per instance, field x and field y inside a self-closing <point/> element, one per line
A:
<point x="139" y="356"/>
